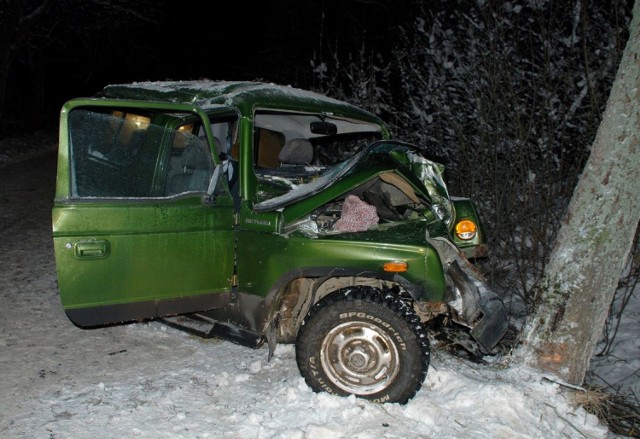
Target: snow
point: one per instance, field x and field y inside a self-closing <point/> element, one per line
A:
<point x="147" y="380"/>
<point x="211" y="87"/>
<point x="619" y="364"/>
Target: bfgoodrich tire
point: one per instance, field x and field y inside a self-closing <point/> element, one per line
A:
<point x="364" y="342"/>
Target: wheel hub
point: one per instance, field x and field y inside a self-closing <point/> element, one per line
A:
<point x="359" y="358"/>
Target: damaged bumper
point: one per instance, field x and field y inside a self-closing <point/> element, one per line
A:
<point x="473" y="304"/>
<point x="478" y="308"/>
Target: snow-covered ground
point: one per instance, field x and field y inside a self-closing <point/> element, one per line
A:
<point x="147" y="380"/>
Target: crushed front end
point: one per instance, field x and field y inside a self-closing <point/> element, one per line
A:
<point x="471" y="303"/>
<point x="389" y="204"/>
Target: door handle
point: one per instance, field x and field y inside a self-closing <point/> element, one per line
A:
<point x="91" y="249"/>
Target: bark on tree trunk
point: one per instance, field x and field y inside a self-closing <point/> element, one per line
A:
<point x="595" y="237"/>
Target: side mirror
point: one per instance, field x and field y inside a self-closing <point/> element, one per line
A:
<point x="214" y="184"/>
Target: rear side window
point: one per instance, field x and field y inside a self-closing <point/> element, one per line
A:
<point x="119" y="154"/>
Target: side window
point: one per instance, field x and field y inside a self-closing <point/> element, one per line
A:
<point x="119" y="154"/>
<point x="225" y="139"/>
<point x="112" y="154"/>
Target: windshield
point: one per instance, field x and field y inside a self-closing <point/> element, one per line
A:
<point x="293" y="148"/>
<point x="305" y="190"/>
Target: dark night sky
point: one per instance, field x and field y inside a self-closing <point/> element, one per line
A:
<point x="273" y="41"/>
<point x="81" y="46"/>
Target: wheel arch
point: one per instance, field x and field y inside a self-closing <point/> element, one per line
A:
<point x="297" y="291"/>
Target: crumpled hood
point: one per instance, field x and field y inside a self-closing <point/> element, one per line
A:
<point x="404" y="158"/>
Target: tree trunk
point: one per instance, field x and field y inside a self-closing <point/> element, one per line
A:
<point x="596" y="235"/>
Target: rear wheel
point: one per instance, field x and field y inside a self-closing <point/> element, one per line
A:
<point x="364" y="342"/>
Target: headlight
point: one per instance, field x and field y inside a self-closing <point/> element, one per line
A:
<point x="466" y="230"/>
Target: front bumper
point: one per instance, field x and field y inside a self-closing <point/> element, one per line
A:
<point x="473" y="304"/>
<point x="482" y="310"/>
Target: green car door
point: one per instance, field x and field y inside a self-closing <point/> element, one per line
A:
<point x="136" y="235"/>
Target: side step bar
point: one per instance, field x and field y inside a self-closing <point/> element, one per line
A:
<point x="201" y="326"/>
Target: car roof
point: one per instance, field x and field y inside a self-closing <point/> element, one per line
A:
<point x="246" y="96"/>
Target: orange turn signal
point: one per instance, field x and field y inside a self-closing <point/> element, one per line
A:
<point x="466" y="230"/>
<point x="395" y="266"/>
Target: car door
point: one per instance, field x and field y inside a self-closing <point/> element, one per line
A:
<point x="135" y="233"/>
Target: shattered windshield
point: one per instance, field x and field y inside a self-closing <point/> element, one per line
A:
<point x="305" y="190"/>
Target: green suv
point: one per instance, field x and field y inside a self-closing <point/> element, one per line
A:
<point x="264" y="213"/>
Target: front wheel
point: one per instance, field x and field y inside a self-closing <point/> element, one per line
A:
<point x="364" y="342"/>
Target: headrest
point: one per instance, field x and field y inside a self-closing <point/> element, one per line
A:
<point x="296" y="152"/>
<point x="195" y="156"/>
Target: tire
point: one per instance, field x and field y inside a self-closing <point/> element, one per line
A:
<point x="364" y="342"/>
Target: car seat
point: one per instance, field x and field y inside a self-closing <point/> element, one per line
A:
<point x="196" y="169"/>
<point x="296" y="152"/>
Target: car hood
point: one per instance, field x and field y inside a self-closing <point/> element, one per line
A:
<point x="402" y="158"/>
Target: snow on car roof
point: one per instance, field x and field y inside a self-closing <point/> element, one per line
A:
<point x="209" y="92"/>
